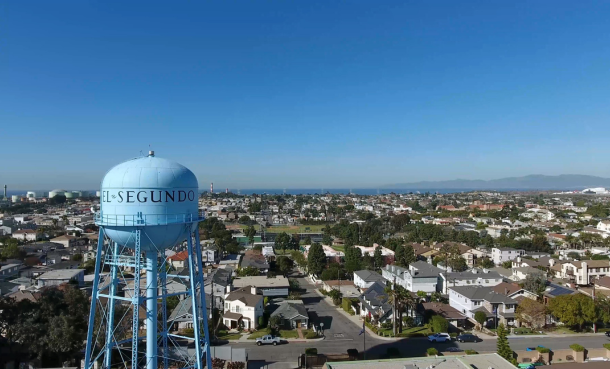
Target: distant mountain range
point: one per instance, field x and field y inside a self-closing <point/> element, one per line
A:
<point x="531" y="182"/>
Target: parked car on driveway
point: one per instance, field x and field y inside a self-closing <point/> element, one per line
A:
<point x="268" y="340"/>
<point x="439" y="337"/>
<point x="467" y="337"/>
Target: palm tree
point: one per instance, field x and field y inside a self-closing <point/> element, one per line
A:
<point x="401" y="299"/>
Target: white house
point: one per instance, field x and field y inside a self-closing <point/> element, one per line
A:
<point x="583" y="272"/>
<point x="61" y="276"/>
<point x="501" y="254"/>
<point x="365" y="278"/>
<point x="420" y="276"/>
<point x="26" y="235"/>
<point x="473" y="277"/>
<point x="604" y="225"/>
<point x="471" y="299"/>
<point x="243" y="306"/>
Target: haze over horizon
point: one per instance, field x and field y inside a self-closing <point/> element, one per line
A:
<point x="304" y="95"/>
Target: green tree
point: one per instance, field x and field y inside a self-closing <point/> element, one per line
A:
<point x="409" y="256"/>
<point x="284" y="264"/>
<point x="299" y="258"/>
<point x="573" y="310"/>
<point x="316" y="259"/>
<point x="378" y="257"/>
<point x="368" y="262"/>
<point x="282" y="241"/>
<point x="10" y="249"/>
<point x="250" y="232"/>
<point x="535" y="283"/>
<point x="247" y="272"/>
<point x="327" y="236"/>
<point x="503" y="346"/>
<point x="353" y="259"/>
<point x="485" y="263"/>
<point x="480" y="317"/>
<point x="399" y="256"/>
<point x="439" y="324"/>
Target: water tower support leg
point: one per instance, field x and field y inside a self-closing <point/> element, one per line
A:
<point x="151" y="309"/>
<point x="135" y="303"/>
<point x="204" y="306"/>
<point x="163" y="277"/>
<point x="110" y="313"/>
<point x="194" y="279"/>
<point x="95" y="291"/>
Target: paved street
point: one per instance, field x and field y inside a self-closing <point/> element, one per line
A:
<point x="342" y="334"/>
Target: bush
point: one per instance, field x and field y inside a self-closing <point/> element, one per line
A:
<point x="576" y="347"/>
<point x="432" y="351"/>
<point x="607" y="346"/>
<point x="543" y="350"/>
<point x="311" y="351"/>
<point x="453" y="334"/>
<point x="352" y="353"/>
<point x="236" y="365"/>
<point x="439" y="324"/>
<point x="218" y="363"/>
<point x="311" y="335"/>
<point x="261" y="322"/>
<point x="470" y="352"/>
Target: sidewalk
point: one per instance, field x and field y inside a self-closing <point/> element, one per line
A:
<point x="244" y="339"/>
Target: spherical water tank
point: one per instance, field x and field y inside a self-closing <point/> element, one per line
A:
<point x="156" y="195"/>
<point x="54" y="193"/>
<point x="31" y="194"/>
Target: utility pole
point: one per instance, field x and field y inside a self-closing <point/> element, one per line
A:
<point x="394" y="305"/>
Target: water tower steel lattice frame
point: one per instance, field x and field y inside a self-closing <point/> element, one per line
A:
<point x="126" y="245"/>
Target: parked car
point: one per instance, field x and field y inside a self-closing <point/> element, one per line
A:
<point x="268" y="340"/>
<point x="467" y="337"/>
<point x="439" y="337"/>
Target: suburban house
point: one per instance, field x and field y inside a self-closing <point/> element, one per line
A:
<point x="514" y="291"/>
<point x="210" y="254"/>
<point x="276" y="286"/>
<point x="604" y="225"/>
<point x="519" y="274"/>
<point x="61" y="276"/>
<point x="26" y="235"/>
<point x="332" y="255"/>
<point x="455" y="318"/>
<point x="182" y="315"/>
<point x="9" y="270"/>
<point x="471" y="299"/>
<point x="501" y="254"/>
<point x="465" y="251"/>
<point x="179" y="260"/>
<point x="68" y="241"/>
<point x="473" y="277"/>
<point x="243" y="307"/>
<point x="553" y="290"/>
<point x="582" y="272"/>
<point x="374" y="304"/>
<point x="365" y="278"/>
<point x="292" y="313"/>
<point x="252" y="259"/>
<point x="387" y="254"/>
<point x="420" y="276"/>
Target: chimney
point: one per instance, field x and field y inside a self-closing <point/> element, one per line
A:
<point x="506" y="291"/>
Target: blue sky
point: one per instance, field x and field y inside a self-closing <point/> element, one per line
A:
<point x="298" y="94"/>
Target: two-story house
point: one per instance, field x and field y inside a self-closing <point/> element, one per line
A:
<point x="469" y="300"/>
<point x="420" y="276"/>
<point x="473" y="277"/>
<point x="365" y="278"/>
<point x="243" y="306"/>
<point x="500" y="255"/>
<point x="583" y="272"/>
<point x="374" y="304"/>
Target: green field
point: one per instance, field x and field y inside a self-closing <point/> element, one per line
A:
<point x="296" y="229"/>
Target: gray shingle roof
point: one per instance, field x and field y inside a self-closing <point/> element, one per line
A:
<point x="290" y="309"/>
<point x="483" y="293"/>
<point x="369" y="276"/>
<point x="471" y="275"/>
<point x="425" y="270"/>
<point x="375" y="297"/>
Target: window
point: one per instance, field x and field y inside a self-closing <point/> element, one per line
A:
<point x="477" y="303"/>
<point x="487" y="281"/>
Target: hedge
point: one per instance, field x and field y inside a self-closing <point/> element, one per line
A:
<point x="543" y="350"/>
<point x="576" y="347"/>
<point x="311" y="351"/>
<point x="432" y="351"/>
<point x="470" y="352"/>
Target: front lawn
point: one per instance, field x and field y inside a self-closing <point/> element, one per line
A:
<point x="406" y="332"/>
<point x="258" y="334"/>
<point x="524" y="331"/>
<point x="228" y="336"/>
<point x="283" y="334"/>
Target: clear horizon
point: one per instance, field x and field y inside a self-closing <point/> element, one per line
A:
<point x="304" y="95"/>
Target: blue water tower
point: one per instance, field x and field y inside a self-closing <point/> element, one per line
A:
<point x="148" y="211"/>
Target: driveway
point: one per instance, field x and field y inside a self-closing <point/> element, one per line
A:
<point x="336" y="325"/>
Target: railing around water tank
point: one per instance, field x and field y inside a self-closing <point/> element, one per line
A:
<point x="140" y="219"/>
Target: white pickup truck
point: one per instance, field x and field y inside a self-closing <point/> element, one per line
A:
<point x="268" y="340"/>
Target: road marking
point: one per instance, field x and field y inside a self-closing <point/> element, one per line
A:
<point x="339" y="335"/>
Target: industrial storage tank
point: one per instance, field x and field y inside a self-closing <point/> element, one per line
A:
<point x="31" y="195"/>
<point x="54" y="193"/>
<point x="69" y="195"/>
<point x="16" y="198"/>
<point x="151" y="193"/>
<point x="77" y="194"/>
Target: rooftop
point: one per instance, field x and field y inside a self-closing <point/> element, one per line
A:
<point x="61" y="274"/>
<point x="447" y="362"/>
<point x="262" y="282"/>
